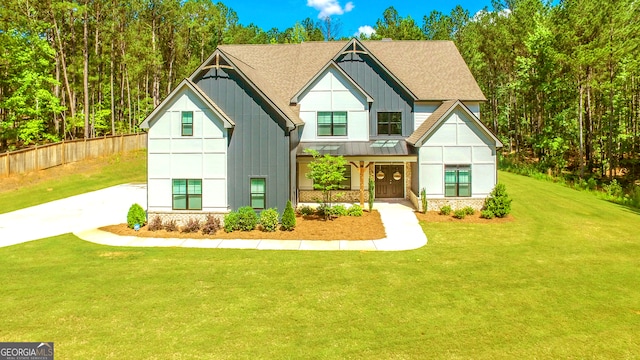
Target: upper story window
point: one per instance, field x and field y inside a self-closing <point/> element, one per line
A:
<point x="332" y="123"/>
<point x="187" y="123"/>
<point x="457" y="180"/>
<point x="389" y="123"/>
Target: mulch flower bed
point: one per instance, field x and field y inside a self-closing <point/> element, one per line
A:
<point x="367" y="227"/>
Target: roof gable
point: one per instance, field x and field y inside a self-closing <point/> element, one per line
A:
<point x="263" y="87"/>
<point x="330" y="65"/>
<point x="422" y="133"/>
<point x="193" y="88"/>
<point x="355" y="46"/>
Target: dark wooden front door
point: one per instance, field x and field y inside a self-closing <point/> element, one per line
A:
<point x="389" y="181"/>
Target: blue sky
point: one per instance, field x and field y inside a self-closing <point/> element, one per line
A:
<point x="353" y="14"/>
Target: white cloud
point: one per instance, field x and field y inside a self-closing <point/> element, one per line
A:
<point x="366" y="30"/>
<point x="329" y="7"/>
<point x="349" y="7"/>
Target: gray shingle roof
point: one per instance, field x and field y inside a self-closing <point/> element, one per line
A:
<point x="431" y="70"/>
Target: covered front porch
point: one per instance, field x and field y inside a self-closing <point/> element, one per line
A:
<point x="391" y="163"/>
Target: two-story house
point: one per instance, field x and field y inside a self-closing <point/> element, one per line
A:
<point x="405" y="112"/>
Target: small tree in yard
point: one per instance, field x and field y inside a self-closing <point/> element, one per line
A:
<point x="498" y="202"/>
<point x="288" y="217"/>
<point x="327" y="173"/>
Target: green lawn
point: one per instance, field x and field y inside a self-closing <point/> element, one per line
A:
<point x="561" y="281"/>
<point x="77" y="178"/>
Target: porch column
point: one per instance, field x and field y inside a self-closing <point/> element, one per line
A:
<point x="362" y="168"/>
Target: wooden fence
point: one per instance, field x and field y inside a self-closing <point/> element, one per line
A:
<point x="50" y="155"/>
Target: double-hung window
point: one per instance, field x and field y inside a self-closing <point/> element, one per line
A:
<point x="258" y="193"/>
<point x="187" y="194"/>
<point x="332" y="123"/>
<point x="389" y="123"/>
<point x="457" y="180"/>
<point x="187" y="123"/>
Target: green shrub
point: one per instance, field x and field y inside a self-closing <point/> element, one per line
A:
<point x="306" y="210"/>
<point x="634" y="196"/>
<point x="613" y="189"/>
<point x="192" y="226"/>
<point x="248" y="219"/>
<point x="288" y="217"/>
<point x="372" y="192"/>
<point x="487" y="214"/>
<point x="592" y="183"/>
<point x="339" y="210"/>
<point x="231" y="222"/>
<point x="423" y="199"/>
<point x="155" y="224"/>
<point x="136" y="215"/>
<point x="269" y="219"/>
<point x="171" y="225"/>
<point x="211" y="225"/>
<point x="445" y="210"/>
<point x="324" y="211"/>
<point x="355" y="210"/>
<point x="468" y="210"/>
<point x="498" y="201"/>
<point x="459" y="214"/>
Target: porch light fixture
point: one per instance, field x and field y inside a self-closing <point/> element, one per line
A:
<point x="380" y="175"/>
<point x="397" y="175"/>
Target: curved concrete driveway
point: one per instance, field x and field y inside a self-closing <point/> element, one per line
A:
<point x="83" y="214"/>
<point x="73" y="214"/>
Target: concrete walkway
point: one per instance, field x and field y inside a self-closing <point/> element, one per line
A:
<point x="83" y="214"/>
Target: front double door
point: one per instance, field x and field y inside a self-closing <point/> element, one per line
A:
<point x="389" y="181"/>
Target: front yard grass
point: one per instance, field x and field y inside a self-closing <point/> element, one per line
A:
<point x="559" y="281"/>
<point x="24" y="190"/>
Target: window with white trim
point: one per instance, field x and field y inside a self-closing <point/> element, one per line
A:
<point x="187" y="123"/>
<point x="457" y="180"/>
<point x="332" y="123"/>
<point x="187" y="194"/>
<point x="258" y="194"/>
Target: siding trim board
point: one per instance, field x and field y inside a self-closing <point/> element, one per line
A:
<point x="147" y="123"/>
<point x="330" y="65"/>
<point x="431" y="124"/>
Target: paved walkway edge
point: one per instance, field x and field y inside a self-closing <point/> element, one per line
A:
<point x="402" y="227"/>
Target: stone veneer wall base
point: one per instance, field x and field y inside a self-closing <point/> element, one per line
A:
<point x="455" y="203"/>
<point x="182" y="217"/>
<point x="349" y="196"/>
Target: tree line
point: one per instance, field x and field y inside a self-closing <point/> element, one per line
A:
<point x="562" y="80"/>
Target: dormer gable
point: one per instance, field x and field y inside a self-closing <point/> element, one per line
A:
<point x="331" y="66"/>
<point x="187" y="85"/>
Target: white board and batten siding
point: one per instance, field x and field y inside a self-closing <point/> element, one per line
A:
<point x="458" y="141"/>
<point x="422" y="110"/>
<point x="333" y="92"/>
<point x="201" y="156"/>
